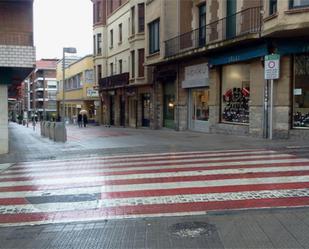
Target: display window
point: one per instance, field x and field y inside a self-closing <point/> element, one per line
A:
<point x="235" y="93"/>
<point x="301" y="91"/>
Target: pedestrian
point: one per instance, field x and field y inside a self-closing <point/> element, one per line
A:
<point x="80" y="120"/>
<point x="85" y="120"/>
<point x="33" y="123"/>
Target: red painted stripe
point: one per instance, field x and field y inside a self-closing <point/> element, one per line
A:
<point x="180" y="191"/>
<point x="139" y="159"/>
<point x="13" y="201"/>
<point x="155" y="180"/>
<point x="69" y="174"/>
<point x="129" y="165"/>
<point x="204" y="190"/>
<point x="155" y="209"/>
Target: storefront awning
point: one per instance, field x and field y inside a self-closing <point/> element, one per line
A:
<point x="238" y="55"/>
<point x="292" y="47"/>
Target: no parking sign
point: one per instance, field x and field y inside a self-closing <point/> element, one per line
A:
<point x="272" y="67"/>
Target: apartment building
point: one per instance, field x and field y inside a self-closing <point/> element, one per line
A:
<point x="80" y="92"/>
<point x="119" y="55"/>
<point x="208" y="65"/>
<point x="43" y="88"/>
<point x="17" y="55"/>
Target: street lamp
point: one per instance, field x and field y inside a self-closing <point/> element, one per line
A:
<point x="69" y="50"/>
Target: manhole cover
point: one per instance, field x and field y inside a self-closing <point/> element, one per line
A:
<point x="192" y="229"/>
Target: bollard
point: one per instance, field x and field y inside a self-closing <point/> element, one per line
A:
<point x="52" y="131"/>
<point x="47" y="126"/>
<point x="60" y="132"/>
<point x="42" y="127"/>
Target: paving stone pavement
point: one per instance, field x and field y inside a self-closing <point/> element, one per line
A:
<point x="243" y="229"/>
<point x="271" y="228"/>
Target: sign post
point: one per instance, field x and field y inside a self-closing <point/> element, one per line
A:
<point x="271" y="72"/>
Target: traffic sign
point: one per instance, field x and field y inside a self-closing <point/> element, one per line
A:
<point x="272" y="67"/>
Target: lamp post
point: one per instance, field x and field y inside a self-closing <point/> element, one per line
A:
<point x="69" y="50"/>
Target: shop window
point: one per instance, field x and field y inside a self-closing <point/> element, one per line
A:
<point x="299" y="3"/>
<point x="301" y="91"/>
<point x="235" y="93"/>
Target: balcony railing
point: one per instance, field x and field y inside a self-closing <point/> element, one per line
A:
<point x="244" y="22"/>
<point x="16" y="38"/>
<point x="114" y="81"/>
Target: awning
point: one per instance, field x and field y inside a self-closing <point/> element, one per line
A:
<point x="238" y="55"/>
<point x="292" y="47"/>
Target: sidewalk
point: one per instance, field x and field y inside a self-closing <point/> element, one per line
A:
<point x="28" y="145"/>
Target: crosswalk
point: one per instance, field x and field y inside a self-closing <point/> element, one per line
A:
<point x="151" y="185"/>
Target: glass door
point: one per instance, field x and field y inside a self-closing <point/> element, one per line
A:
<point x="199" y="111"/>
<point x="169" y="105"/>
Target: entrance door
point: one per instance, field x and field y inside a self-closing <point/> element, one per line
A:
<point x="199" y="110"/>
<point x="122" y="110"/>
<point x="230" y="18"/>
<point x="146" y="109"/>
<point x="112" y="110"/>
<point x="169" y="105"/>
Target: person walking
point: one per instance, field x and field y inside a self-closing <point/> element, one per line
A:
<point x="80" y="120"/>
<point x="85" y="120"/>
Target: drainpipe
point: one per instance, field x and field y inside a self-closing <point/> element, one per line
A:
<point x="178" y="111"/>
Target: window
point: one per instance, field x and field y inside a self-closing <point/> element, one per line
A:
<point x="272" y="7"/>
<point x="202" y="24"/>
<point x="120" y="32"/>
<point x="94" y="45"/>
<point x="235" y="93"/>
<point x="141" y="56"/>
<point x="120" y="66"/>
<point x="94" y="13"/>
<point x="99" y="44"/>
<point x="111" y="66"/>
<point x="133" y="20"/>
<point x="112" y="38"/>
<point x="301" y="91"/>
<point x="99" y="17"/>
<point x="154" y="36"/>
<point x="89" y="76"/>
<point x="141" y="17"/>
<point x="99" y="71"/>
<point x="132" y="64"/>
<point x="299" y="3"/>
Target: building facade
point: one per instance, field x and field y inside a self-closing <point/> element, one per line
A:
<point x="119" y="56"/>
<point x="42" y="90"/>
<point x="208" y="65"/>
<point x="80" y="92"/>
<point x="17" y="55"/>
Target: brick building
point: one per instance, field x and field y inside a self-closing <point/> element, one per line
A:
<point x="17" y="55"/>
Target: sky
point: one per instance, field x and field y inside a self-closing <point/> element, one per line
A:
<point x="62" y="23"/>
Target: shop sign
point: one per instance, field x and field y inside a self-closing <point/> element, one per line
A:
<point x="272" y="67"/>
<point x="78" y="106"/>
<point x="196" y="76"/>
<point x="92" y="93"/>
<point x="297" y="91"/>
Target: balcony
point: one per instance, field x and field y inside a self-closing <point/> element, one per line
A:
<point x="242" y="23"/>
<point x="114" y="81"/>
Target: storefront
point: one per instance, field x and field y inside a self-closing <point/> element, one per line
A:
<point x="197" y="82"/>
<point x="301" y="91"/>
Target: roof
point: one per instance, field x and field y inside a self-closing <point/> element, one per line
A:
<point x="46" y="64"/>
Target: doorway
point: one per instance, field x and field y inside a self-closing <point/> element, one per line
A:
<point x="112" y="110"/>
<point x="122" y="110"/>
<point x="169" y="105"/>
<point x="146" y="109"/>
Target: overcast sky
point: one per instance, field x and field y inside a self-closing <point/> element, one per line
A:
<point x="62" y="23"/>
